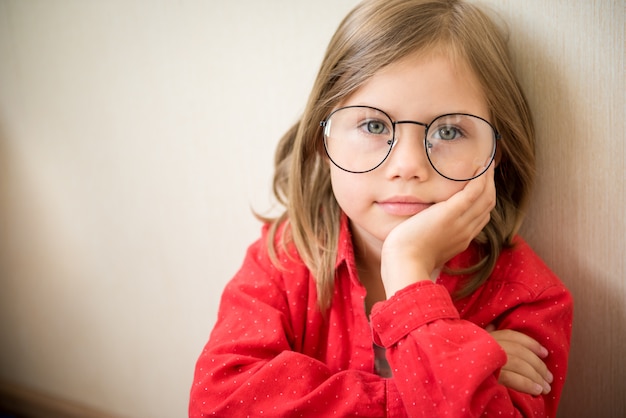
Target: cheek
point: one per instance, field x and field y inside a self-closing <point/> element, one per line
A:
<point x="351" y="190"/>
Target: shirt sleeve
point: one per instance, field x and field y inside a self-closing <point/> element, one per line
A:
<point x="446" y="366"/>
<point x="249" y="366"/>
<point x="442" y="365"/>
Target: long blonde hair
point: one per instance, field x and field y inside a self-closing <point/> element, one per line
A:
<point x="373" y="35"/>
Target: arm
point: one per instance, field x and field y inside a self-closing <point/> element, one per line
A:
<point x="252" y="364"/>
<point x="424" y="336"/>
<point x="547" y="318"/>
<point x="447" y="366"/>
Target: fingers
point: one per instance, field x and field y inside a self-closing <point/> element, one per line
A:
<point x="479" y="191"/>
<point x="477" y="198"/>
<point x="521" y="383"/>
<point x="486" y="201"/>
<point x="525" y="370"/>
<point x="521" y="339"/>
<point x="475" y="202"/>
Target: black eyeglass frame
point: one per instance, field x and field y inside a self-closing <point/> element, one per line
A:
<point x="496" y="136"/>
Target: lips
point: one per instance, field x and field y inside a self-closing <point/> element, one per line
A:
<point x="402" y="206"/>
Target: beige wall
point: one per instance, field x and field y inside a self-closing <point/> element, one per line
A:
<point x="136" y="135"/>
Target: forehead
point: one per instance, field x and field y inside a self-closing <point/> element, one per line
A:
<point x="422" y="86"/>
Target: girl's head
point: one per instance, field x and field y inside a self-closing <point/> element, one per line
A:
<point x="374" y="35"/>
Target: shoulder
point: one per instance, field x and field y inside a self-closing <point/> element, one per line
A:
<point x="521" y="286"/>
<point x="519" y="276"/>
<point x="274" y="249"/>
<point x="519" y="265"/>
<point x="271" y="262"/>
<point x="522" y="280"/>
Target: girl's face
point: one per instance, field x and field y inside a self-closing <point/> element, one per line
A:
<point x="416" y="88"/>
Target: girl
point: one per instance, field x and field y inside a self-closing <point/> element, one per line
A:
<point x="394" y="284"/>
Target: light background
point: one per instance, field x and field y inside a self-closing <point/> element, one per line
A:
<point x="137" y="136"/>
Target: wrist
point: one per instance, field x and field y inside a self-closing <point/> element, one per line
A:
<point x="398" y="273"/>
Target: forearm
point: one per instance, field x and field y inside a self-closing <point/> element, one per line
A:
<point x="289" y="384"/>
<point x="443" y="365"/>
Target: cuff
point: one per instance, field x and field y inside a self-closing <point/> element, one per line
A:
<point x="409" y="309"/>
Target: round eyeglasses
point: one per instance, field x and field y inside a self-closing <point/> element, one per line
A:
<point x="459" y="146"/>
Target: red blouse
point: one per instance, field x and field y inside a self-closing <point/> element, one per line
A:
<point x="272" y="353"/>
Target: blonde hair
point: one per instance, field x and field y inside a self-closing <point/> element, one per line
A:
<point x="375" y="34"/>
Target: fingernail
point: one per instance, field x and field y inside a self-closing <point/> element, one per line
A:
<point x="544" y="352"/>
<point x="549" y="377"/>
<point x="546" y="388"/>
<point x="538" y="389"/>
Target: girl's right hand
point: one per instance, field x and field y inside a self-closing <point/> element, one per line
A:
<point x="524" y="370"/>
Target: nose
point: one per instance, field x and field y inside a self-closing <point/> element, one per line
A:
<point x="408" y="158"/>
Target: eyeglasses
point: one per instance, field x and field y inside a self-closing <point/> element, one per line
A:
<point x="459" y="146"/>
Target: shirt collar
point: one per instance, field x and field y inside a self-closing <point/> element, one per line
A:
<point x="345" y="248"/>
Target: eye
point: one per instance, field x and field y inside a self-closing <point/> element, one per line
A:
<point x="447" y="133"/>
<point x="375" y="127"/>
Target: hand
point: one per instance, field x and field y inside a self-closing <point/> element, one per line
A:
<point x="524" y="370"/>
<point x="419" y="246"/>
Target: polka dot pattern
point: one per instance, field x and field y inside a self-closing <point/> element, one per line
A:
<point x="273" y="353"/>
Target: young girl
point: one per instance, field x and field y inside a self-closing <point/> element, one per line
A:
<point x="394" y="284"/>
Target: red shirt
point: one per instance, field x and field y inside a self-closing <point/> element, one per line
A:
<point x="272" y="353"/>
